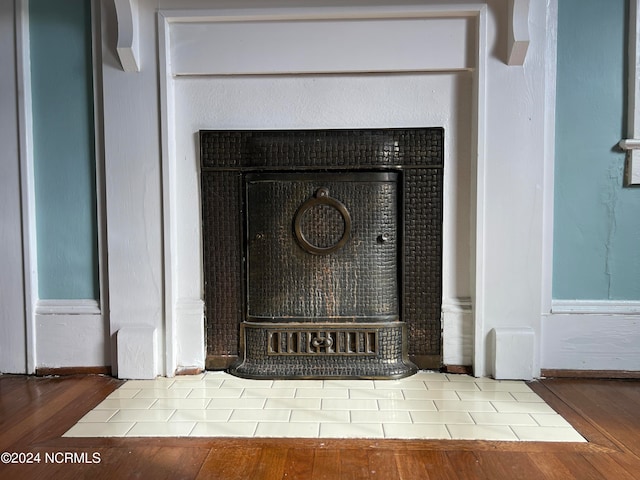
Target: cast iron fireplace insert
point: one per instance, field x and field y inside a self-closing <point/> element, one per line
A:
<point x="322" y="251"/>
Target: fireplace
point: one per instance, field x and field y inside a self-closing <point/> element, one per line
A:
<point x="212" y="68"/>
<point x="322" y="251"/>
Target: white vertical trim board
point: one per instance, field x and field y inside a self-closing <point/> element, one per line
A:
<point x="190" y="352"/>
<point x="16" y="332"/>
<point x="169" y="228"/>
<point x="549" y="155"/>
<point x="27" y="182"/>
<point x="478" y="256"/>
<point x="457" y="331"/>
<point x="98" y="119"/>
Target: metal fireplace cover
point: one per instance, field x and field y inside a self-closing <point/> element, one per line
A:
<point x="227" y="156"/>
<point x="322" y="277"/>
<point x="322" y="247"/>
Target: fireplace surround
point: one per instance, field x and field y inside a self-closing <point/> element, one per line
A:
<point x="322" y="251"/>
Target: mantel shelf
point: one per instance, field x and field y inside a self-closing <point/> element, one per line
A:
<point x="128" y="33"/>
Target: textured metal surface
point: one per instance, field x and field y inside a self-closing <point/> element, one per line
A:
<point x="356" y="282"/>
<point x="390" y="361"/>
<point x="295" y="149"/>
<point x="320" y="340"/>
<point x="222" y="260"/>
<point x="422" y="270"/>
<point x="226" y="156"/>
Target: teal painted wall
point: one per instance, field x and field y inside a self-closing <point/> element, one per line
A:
<point x="597" y="221"/>
<point x="64" y="158"/>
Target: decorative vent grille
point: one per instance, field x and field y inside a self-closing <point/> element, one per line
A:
<point x="323" y="342"/>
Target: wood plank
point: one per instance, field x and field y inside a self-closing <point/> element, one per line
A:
<point x="610" y="406"/>
<point x="44" y="419"/>
<point x="271" y="463"/>
<point x="326" y="464"/>
<point x="509" y="466"/>
<point x="64" y="371"/>
<point x="438" y="466"/>
<point x="229" y="464"/>
<point x="570" y="412"/>
<point x="552" y="466"/>
<point x="410" y="466"/>
<point x="382" y="465"/>
<point x="466" y="465"/>
<point x="20" y="397"/>
<point x="354" y="464"/>
<point x="579" y="466"/>
<point x="613" y="466"/>
<point x="299" y="463"/>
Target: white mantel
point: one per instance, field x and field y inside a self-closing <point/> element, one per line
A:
<point x="326" y="66"/>
<point x="240" y="68"/>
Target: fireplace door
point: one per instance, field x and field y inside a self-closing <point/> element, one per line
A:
<point x="322" y="247"/>
<point x="322" y="277"/>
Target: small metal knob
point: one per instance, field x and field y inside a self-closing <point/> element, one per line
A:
<point x="383" y="238"/>
<point x="325" y="342"/>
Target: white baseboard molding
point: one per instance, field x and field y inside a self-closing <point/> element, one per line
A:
<point x="71" y="340"/>
<point x="596" y="307"/>
<point x="590" y="342"/>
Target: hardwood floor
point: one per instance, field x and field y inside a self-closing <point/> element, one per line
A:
<point x="35" y="412"/>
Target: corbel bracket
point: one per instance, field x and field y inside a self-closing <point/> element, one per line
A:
<point x="518" y="34"/>
<point x="127" y="47"/>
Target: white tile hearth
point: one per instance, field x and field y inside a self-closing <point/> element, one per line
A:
<point x="427" y="405"/>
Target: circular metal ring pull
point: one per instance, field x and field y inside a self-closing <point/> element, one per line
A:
<point x="322" y="197"/>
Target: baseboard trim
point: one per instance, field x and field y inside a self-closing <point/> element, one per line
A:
<point x="595" y="307"/>
<point x="612" y="374"/>
<point x="64" y="371"/>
